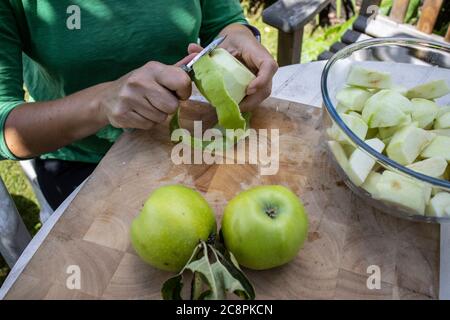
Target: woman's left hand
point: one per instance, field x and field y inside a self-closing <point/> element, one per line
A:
<point x="241" y="43"/>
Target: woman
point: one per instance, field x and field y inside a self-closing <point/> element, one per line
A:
<point x="94" y="67"/>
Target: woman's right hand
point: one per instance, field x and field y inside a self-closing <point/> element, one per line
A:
<point x="146" y="96"/>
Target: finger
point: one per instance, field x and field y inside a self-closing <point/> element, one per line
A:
<point x="175" y="80"/>
<point x="186" y="60"/>
<point x="147" y="110"/>
<point x="194" y="48"/>
<point x="251" y="102"/>
<point x="132" y="120"/>
<point x="163" y="100"/>
<point x="137" y="121"/>
<point x="266" y="71"/>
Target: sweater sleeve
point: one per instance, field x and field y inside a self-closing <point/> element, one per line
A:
<point x="11" y="77"/>
<point x="216" y="15"/>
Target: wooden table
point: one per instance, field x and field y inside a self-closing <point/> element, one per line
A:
<point x="346" y="237"/>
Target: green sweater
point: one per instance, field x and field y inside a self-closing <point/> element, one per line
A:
<point x="39" y="48"/>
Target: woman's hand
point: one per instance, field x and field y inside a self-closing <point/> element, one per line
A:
<point x="146" y="96"/>
<point x="241" y="43"/>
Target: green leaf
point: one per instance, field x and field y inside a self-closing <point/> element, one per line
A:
<point x="211" y="270"/>
<point x="171" y="289"/>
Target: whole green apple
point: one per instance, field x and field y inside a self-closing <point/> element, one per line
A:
<point x="264" y="227"/>
<point x="171" y="224"/>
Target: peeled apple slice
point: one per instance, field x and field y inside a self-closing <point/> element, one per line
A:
<point x="339" y="153"/>
<point x="353" y="98"/>
<point x="388" y="132"/>
<point x="223" y="80"/>
<point x="433" y="167"/>
<point x="439" y="205"/>
<point x="407" y="144"/>
<point x="341" y="158"/>
<point x="439" y="147"/>
<point x="367" y="78"/>
<point x="443" y="122"/>
<point x="424" y="112"/>
<point x="386" y="108"/>
<point x="360" y="163"/>
<point x="355" y="123"/>
<point x="402" y="191"/>
<point x="430" y="90"/>
<point x="441" y="132"/>
<point x="370" y="185"/>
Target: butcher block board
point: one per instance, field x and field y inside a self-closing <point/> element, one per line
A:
<point x="345" y="237"/>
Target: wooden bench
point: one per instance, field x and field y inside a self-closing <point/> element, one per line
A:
<point x="290" y="17"/>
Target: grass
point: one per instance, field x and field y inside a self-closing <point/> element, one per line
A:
<point x="23" y="196"/>
<point x="315" y="40"/>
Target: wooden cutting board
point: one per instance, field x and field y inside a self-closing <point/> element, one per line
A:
<point x="346" y="236"/>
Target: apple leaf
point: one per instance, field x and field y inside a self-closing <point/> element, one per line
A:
<point x="212" y="271"/>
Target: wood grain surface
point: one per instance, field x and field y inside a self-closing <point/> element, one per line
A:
<point x="345" y="237"/>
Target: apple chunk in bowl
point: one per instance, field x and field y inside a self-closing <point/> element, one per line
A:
<point x="386" y="121"/>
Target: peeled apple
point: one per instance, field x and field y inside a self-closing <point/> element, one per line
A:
<point x="424" y="112"/>
<point x="368" y="78"/>
<point x="439" y="147"/>
<point x="353" y="98"/>
<point x="407" y="143"/>
<point x="402" y="191"/>
<point x="386" y="108"/>
<point x="433" y="167"/>
<point x="223" y="81"/>
<point x="439" y="205"/>
<point x="430" y="90"/>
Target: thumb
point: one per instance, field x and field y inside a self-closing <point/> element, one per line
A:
<point x="186" y="60"/>
<point x="194" y="48"/>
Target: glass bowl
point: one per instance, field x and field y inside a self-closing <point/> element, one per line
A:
<point x="411" y="62"/>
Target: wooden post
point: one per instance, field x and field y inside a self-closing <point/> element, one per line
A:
<point x="447" y="36"/>
<point x="289" y="47"/>
<point x="429" y="14"/>
<point x="399" y="9"/>
<point x="366" y="7"/>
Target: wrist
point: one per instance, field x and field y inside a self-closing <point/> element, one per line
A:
<point x="97" y="107"/>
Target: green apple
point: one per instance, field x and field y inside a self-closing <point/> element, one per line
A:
<point x="430" y="90"/>
<point x="408" y="143"/>
<point x="264" y="227"/>
<point x="353" y="98"/>
<point x="360" y="163"/>
<point x="433" y="167"/>
<point x="439" y="205"/>
<point x="403" y="191"/>
<point x="386" y="108"/>
<point x="424" y="112"/>
<point x="172" y="222"/>
<point x="370" y="185"/>
<point x="368" y="78"/>
<point x="443" y="121"/>
<point x="439" y="147"/>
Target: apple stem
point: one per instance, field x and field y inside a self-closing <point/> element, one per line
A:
<point x="271" y="212"/>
